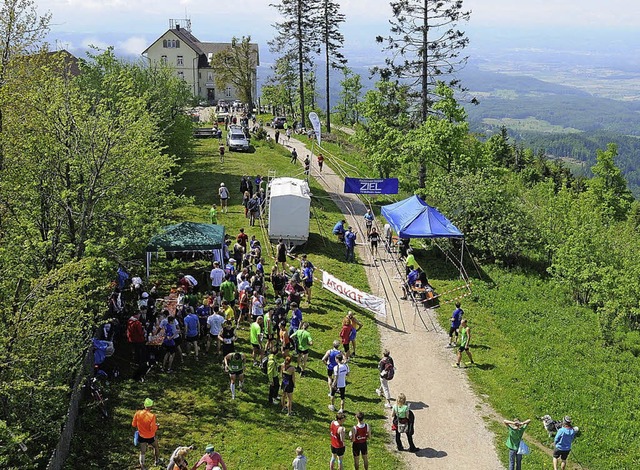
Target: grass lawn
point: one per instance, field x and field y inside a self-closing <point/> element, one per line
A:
<point x="194" y="405"/>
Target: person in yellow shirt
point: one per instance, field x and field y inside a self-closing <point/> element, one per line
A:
<point x="411" y="262"/>
<point x="145" y="422"/>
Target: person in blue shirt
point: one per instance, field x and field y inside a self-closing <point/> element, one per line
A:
<point x="368" y="220"/>
<point x="563" y="440"/>
<point x="339" y="230"/>
<point x="456" y="318"/>
<point x="192" y="327"/>
<point x="412" y="277"/>
<point x="296" y="318"/>
<point x="350" y="243"/>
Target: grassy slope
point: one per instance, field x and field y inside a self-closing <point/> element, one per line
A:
<point x="194" y="405"/>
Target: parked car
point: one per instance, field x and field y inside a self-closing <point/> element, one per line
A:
<point x="221" y="117"/>
<point x="236" y="140"/>
<point x="278" y="122"/>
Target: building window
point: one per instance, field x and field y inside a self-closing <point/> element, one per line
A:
<point x="181" y="75"/>
<point x="199" y="75"/>
<point x="171" y="43"/>
<point x="180" y="61"/>
<point x="209" y="76"/>
<point x="163" y="60"/>
<point x="227" y="92"/>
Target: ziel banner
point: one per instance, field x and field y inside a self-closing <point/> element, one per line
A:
<point x="371" y="186"/>
<point x="341" y="289"/>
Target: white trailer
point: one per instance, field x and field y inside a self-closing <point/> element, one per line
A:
<point x="289" y="210"/>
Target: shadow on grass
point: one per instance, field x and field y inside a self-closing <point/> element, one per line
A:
<point x="485" y="366"/>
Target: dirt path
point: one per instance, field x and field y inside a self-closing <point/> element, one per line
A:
<point x="449" y="430"/>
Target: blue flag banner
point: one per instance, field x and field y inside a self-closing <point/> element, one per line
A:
<point x="371" y="186"/>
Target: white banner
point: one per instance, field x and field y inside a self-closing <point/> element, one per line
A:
<point x="315" y="122"/>
<point x="341" y="289"/>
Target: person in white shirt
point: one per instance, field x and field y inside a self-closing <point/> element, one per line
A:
<point x="340" y="372"/>
<point x="300" y="462"/>
<point x="214" y="322"/>
<point x="217" y="276"/>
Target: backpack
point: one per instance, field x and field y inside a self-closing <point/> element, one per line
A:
<point x="388" y="371"/>
<point x="263" y="365"/>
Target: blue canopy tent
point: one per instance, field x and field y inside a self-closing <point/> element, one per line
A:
<point x="414" y="218"/>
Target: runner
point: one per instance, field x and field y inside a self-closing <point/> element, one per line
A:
<point x="256" y="336"/>
<point x="465" y="339"/>
<point x="234" y="364"/>
<point x="339" y="384"/>
<point x="214" y="322"/>
<point x="368" y="220"/>
<point x="337" y="441"/>
<point x="227" y="337"/>
<point x="304" y="342"/>
<point x="355" y="327"/>
<point x="307" y="279"/>
<point x="374" y="238"/>
<point x="320" y="161"/>
<point x="329" y="359"/>
<point x="285" y="340"/>
<point x="359" y="435"/>
<point x="273" y="376"/>
<point x="456" y="318"/>
<point x="145" y="422"/>
<point x="345" y="335"/>
<point x="288" y="385"/>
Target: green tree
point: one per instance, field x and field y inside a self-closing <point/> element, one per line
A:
<point x="350" y="90"/>
<point x="297" y="38"/>
<point x="235" y="65"/>
<point x="282" y="86"/>
<point x="608" y="186"/>
<point x="332" y="40"/>
<point x="386" y="118"/>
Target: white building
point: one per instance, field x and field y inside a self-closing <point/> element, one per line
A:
<point x="190" y="57"/>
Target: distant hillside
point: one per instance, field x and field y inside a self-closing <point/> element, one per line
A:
<point x="563" y="121"/>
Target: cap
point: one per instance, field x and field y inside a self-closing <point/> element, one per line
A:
<point x="221" y="184"/>
<point x="148" y="403"/>
<point x="566" y="420"/>
<point x="145" y="295"/>
<point x="209" y="448"/>
<point x="232" y="261"/>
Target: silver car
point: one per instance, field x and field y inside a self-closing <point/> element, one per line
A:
<point x="236" y="140"/>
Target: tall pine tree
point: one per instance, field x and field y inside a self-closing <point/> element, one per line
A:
<point x="297" y="34"/>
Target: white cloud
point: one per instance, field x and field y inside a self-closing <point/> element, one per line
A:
<point x="91" y="42"/>
<point x="133" y="45"/>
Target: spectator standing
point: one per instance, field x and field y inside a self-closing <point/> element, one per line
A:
<point x="192" y="330"/>
<point x="210" y="459"/>
<point x="307" y="279"/>
<point x="223" y="192"/>
<point x="563" y="441"/>
<point x="255" y="336"/>
<point x="403" y="420"/>
<point x="359" y="435"/>
<point x="336" y="430"/>
<point x="294" y="156"/>
<point x="516" y="430"/>
<point x="273" y="376"/>
<point x="277" y="135"/>
<point x="387" y="372"/>
<point x="339" y="385"/>
<point x="350" y="243"/>
<point x="145" y="422"/>
<point x="300" y="462"/>
<point x="136" y="337"/>
<point x="281" y="254"/>
<point x="320" y="161"/>
<point x="217" y="276"/>
<point x="253" y="207"/>
<point x="456" y="318"/>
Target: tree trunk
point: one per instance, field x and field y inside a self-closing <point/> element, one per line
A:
<point x="301" y="65"/>
<point x="326" y="57"/>
<point x="422" y="170"/>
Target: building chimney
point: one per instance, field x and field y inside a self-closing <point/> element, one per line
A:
<point x="178" y="26"/>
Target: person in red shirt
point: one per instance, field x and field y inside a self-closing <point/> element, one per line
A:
<point x="345" y="335"/>
<point x="242" y="239"/>
<point x="337" y="441"/>
<point x="211" y="459"/>
<point x="136" y="337"/>
<point x="145" y="422"/>
<point x="359" y="435"/>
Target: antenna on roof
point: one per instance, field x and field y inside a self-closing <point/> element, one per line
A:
<point x="182" y="23"/>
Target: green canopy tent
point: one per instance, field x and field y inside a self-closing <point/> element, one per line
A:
<point x="188" y="236"/>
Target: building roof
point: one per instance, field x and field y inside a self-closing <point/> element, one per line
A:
<point x="203" y="48"/>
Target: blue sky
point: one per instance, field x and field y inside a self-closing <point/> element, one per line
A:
<point x="131" y="25"/>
